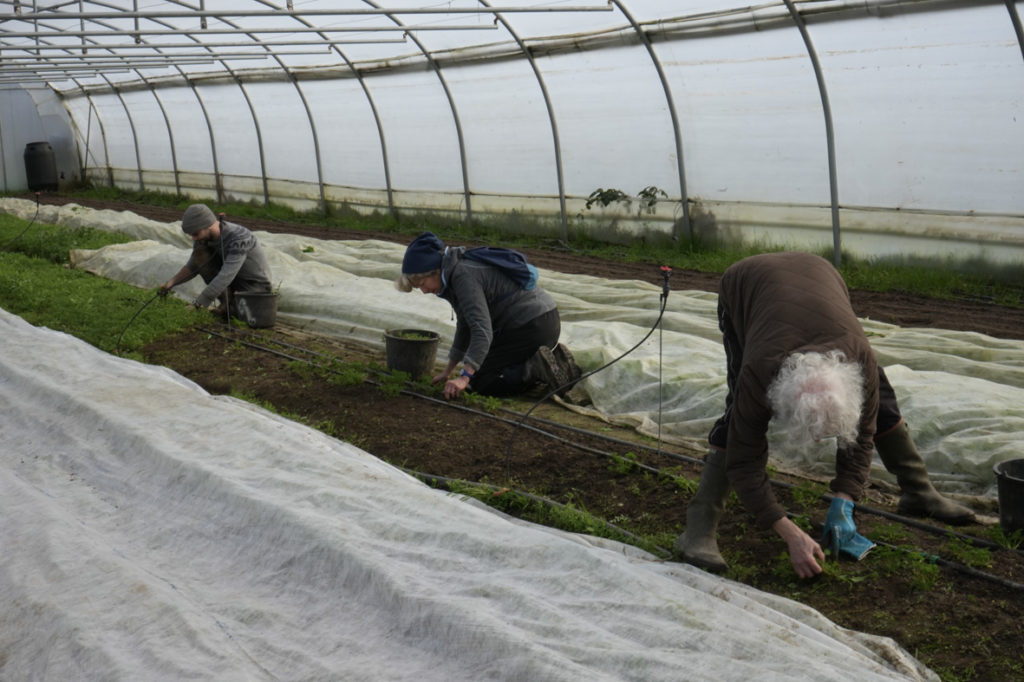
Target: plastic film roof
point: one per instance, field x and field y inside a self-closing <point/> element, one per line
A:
<point x="902" y="105"/>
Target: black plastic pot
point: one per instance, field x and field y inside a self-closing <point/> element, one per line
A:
<point x="257" y="309"/>
<point x="1010" y="484"/>
<point x="411" y="350"/>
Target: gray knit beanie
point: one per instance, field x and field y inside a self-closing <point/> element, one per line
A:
<point x="197" y="217"/>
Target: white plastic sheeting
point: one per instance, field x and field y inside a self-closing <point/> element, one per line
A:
<point x="151" y="531"/>
<point x="485" y="109"/>
<point x="962" y="393"/>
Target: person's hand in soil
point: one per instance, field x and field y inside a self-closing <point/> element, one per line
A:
<point x="453" y="388"/>
<point x="805" y="554"/>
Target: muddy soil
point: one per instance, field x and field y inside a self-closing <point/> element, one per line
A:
<point x="958" y="607"/>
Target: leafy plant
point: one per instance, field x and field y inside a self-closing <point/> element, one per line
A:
<point x="684" y="483"/>
<point x="607" y="196"/>
<point x="484" y="403"/>
<point x="1011" y="540"/>
<point x="647" y="198"/>
<point x="623" y="464"/>
<point x="807" y="495"/>
<point x="393" y="383"/>
<point x="968" y="554"/>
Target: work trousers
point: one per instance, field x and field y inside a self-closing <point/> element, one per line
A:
<point x="503" y="371"/>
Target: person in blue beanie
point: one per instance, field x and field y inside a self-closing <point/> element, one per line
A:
<point x="507" y="329"/>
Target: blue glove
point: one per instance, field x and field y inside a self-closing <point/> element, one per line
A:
<point x="840" y="533"/>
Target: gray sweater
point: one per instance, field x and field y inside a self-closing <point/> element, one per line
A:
<point x="486" y="303"/>
<point x="243" y="262"/>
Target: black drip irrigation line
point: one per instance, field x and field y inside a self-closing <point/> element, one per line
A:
<point x="611" y="439"/>
<point x="30" y="223"/>
<point x="117" y="346"/>
<point x="908" y="521"/>
<point x="966" y="570"/>
<point x="913" y="523"/>
<point x="666" y="272"/>
<point x="163" y="293"/>
<point x="956" y="566"/>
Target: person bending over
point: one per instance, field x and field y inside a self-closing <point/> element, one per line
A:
<point x="797" y="357"/>
<point x="227" y="256"/>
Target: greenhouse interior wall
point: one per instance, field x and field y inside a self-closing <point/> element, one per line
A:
<point x="886" y="128"/>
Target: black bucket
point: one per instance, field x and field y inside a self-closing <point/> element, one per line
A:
<point x="40" y="167"/>
<point x="1010" y="483"/>
<point x="256" y="308"/>
<point x="411" y="350"/>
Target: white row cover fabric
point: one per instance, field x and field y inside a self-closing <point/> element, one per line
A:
<point x="151" y="531"/>
<point x="961" y="393"/>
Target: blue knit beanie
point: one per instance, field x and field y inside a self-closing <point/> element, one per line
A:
<point x="423" y="255"/>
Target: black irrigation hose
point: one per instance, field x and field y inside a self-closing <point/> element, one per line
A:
<point x="18" y="236"/>
<point x="666" y="272"/>
<point x="612" y="439"/>
<point x="956" y="566"/>
<point x="163" y="293"/>
<point x="966" y="570"/>
<point x="450" y="483"/>
<point x="913" y="523"/>
<point x="905" y="520"/>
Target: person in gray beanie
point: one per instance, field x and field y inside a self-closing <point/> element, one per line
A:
<point x="226" y="255"/>
<point x="507" y="327"/>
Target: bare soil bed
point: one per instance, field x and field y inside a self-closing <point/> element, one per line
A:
<point x="958" y="608"/>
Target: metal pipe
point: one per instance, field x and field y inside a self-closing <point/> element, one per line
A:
<point x="371" y="11"/>
<point x="455" y="115"/>
<point x="830" y="141"/>
<point x="329" y="42"/>
<point x="677" y="134"/>
<point x="241" y="31"/>
<point x="1018" y="29"/>
<point x="559" y="170"/>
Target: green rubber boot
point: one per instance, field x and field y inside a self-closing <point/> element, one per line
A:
<point x="919" y="497"/>
<point x="698" y="545"/>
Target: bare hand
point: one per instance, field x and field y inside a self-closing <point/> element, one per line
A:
<point x="805" y="554"/>
<point x="454" y="387"/>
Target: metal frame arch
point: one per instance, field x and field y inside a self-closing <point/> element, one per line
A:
<point x="673" y="114"/>
<point x="376" y="118"/>
<point x="135" y="135"/>
<point x="88" y="133"/>
<point x="114" y="89"/>
<point x="830" y="141"/>
<point x="1018" y="29"/>
<point x="218" y="185"/>
<point x="163" y="112"/>
<point x="451" y="103"/>
<point x="559" y="168"/>
<point x="170" y="134"/>
<point x="256" y="123"/>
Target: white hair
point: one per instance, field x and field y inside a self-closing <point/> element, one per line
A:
<point x="817" y="395"/>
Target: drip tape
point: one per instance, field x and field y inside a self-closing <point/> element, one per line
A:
<point x="952" y="565"/>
